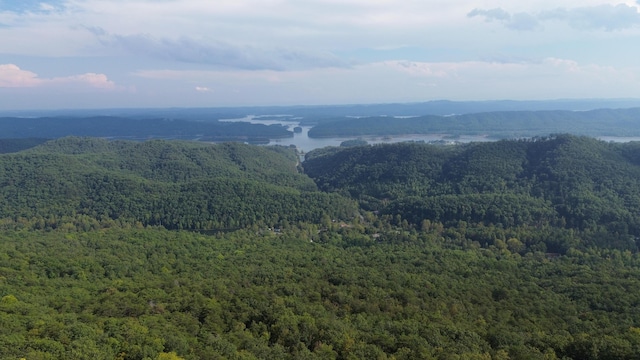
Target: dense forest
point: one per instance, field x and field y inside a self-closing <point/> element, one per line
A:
<point x="518" y="249"/>
<point x="179" y="185"/>
<point x="560" y="183"/>
<point x="497" y="124"/>
<point x="138" y="128"/>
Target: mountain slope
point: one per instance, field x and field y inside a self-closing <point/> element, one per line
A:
<point x="174" y="184"/>
<point x="566" y="181"/>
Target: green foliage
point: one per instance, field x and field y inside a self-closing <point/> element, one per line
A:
<point x="354" y="142"/>
<point x="505" y="250"/>
<point x="561" y="181"/>
<point x="154" y="294"/>
<point x="179" y="185"/>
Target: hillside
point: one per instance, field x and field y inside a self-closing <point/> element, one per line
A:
<point x="137" y="128"/>
<point x="563" y="182"/>
<point x="15" y="145"/>
<point x="434" y="107"/>
<point x="184" y="250"/>
<point x="497" y="120"/>
<point x="180" y="185"/>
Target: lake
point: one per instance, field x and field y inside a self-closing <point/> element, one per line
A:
<point x="304" y="143"/>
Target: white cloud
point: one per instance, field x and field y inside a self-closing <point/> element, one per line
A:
<point x="415" y="68"/>
<point x="392" y="81"/>
<point x="607" y="17"/>
<point x="517" y="21"/>
<point x="30" y="6"/>
<point x="598" y="17"/>
<point x="98" y="81"/>
<point x="320" y="51"/>
<point x="11" y="76"/>
<point x="219" y="53"/>
<point x="312" y="28"/>
<point x="280" y="34"/>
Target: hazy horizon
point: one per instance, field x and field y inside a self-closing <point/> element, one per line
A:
<point x="92" y="54"/>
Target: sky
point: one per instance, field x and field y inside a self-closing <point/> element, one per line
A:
<point x="68" y="54"/>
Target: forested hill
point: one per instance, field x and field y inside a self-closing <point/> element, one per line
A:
<point x="503" y="124"/>
<point x="490" y="251"/>
<point x="174" y="184"/>
<point x="137" y="128"/>
<point x="15" y="145"/>
<point x="563" y="181"/>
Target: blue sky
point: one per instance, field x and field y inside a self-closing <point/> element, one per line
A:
<point x="23" y="6"/>
<point x="185" y="53"/>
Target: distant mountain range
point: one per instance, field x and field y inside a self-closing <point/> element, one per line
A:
<point x="496" y="124"/>
<point x="497" y="119"/>
<point x="435" y="107"/>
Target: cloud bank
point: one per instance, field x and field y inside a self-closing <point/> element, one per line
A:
<point x="401" y="80"/>
<point x="606" y="17"/>
<point x="204" y="53"/>
<point x="11" y="76"/>
<point x="218" y="53"/>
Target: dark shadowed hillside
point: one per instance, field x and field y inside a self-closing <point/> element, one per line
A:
<point x="15" y="145"/>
